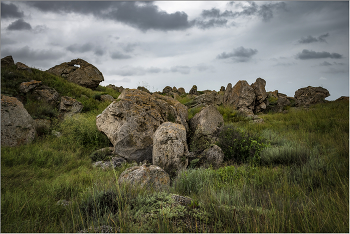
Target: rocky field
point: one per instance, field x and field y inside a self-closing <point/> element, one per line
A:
<point x="80" y="157"/>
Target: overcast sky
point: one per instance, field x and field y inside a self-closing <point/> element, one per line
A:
<point x="209" y="44"/>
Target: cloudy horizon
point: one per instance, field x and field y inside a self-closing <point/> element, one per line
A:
<point x="209" y="44"/>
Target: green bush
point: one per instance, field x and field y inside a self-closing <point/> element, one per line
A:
<point x="230" y="115"/>
<point x="240" y="146"/>
<point x="40" y="109"/>
<point x="272" y="100"/>
<point x="193" y="111"/>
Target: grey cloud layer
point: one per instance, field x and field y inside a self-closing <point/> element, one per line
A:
<point x="10" y="11"/>
<point x="310" y="39"/>
<point x="310" y="54"/>
<point x="239" y="54"/>
<point x="19" y="24"/>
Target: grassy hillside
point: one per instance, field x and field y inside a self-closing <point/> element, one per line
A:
<point x="289" y="174"/>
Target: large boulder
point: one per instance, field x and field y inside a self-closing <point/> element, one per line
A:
<point x="145" y="176"/>
<point x="7" y="61"/>
<point x="130" y="122"/>
<point x="80" y="72"/>
<point x="181" y="91"/>
<point x="204" y="127"/>
<point x="17" y="126"/>
<point x="69" y="107"/>
<point x="260" y="95"/>
<point x="167" y="89"/>
<point x="278" y="102"/>
<point x="310" y="95"/>
<point x="212" y="156"/>
<point x="241" y="97"/>
<point x="22" y="66"/>
<point x="193" y="90"/>
<point x="170" y="147"/>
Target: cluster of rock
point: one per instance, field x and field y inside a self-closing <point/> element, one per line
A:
<point x="8" y="61"/>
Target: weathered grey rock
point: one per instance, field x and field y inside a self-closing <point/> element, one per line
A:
<point x="130" y="123"/>
<point x="175" y="90"/>
<point x="209" y="98"/>
<point x="69" y="107"/>
<point x="310" y="95"/>
<point x="193" y="90"/>
<point x="241" y="97"/>
<point x="17" y="126"/>
<point x="279" y="101"/>
<point x="170" y="147"/>
<point x="204" y="127"/>
<point x="86" y="75"/>
<point x="222" y="88"/>
<point x="181" y="91"/>
<point x="22" y="66"/>
<point x="259" y="90"/>
<point x="145" y="176"/>
<point x="56" y="133"/>
<point x="25" y="87"/>
<point x="113" y="163"/>
<point x="107" y="97"/>
<point x="63" y="202"/>
<point x="212" y="156"/>
<point x="167" y="89"/>
<point x="143" y="89"/>
<point x="7" y="61"/>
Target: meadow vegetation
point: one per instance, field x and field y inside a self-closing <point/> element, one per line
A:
<point x="288" y="174"/>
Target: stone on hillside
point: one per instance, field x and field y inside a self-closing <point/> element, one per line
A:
<point x="145" y="176"/>
<point x="170" y="147"/>
<point x="222" y="88"/>
<point x="310" y="95"/>
<point x="174" y="89"/>
<point x="259" y="90"/>
<point x="25" y="87"/>
<point x="193" y="90"/>
<point x="181" y="91"/>
<point x="85" y="74"/>
<point x="209" y="98"/>
<point x="241" y="97"/>
<point x="343" y="98"/>
<point x="7" y="61"/>
<point x="130" y="122"/>
<point x="113" y="163"/>
<point x="22" y="66"/>
<point x="167" y="90"/>
<point x="279" y="101"/>
<point x="204" y="127"/>
<point x="107" y="97"/>
<point x="212" y="156"/>
<point x="69" y="106"/>
<point x="17" y="126"/>
<point x="143" y="89"/>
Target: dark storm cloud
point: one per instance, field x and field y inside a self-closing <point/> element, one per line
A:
<point x="118" y="55"/>
<point x="309" y="54"/>
<point x="144" y="16"/>
<point x="210" y="23"/>
<point x="27" y="54"/>
<point x="10" y="11"/>
<point x="240" y="54"/>
<point x="19" y="24"/>
<point x="310" y="39"/>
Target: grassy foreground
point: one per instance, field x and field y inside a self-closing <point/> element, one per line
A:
<point x="297" y="182"/>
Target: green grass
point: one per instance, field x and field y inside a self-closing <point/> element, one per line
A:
<point x="299" y="184"/>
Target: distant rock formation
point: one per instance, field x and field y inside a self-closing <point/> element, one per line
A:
<point x="7" y="61"/>
<point x="193" y="90"/>
<point x="310" y="95"/>
<point x="116" y="88"/>
<point x="85" y="74"/>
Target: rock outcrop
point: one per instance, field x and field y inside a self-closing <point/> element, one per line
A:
<point x="260" y="95"/>
<point x="7" y="61"/>
<point x="193" y="90"/>
<point x="212" y="156"/>
<point x="41" y="92"/>
<point x="170" y="147"/>
<point x="167" y="90"/>
<point x="209" y="98"/>
<point x="85" y="74"/>
<point x="107" y="97"/>
<point x="181" y="91"/>
<point x="69" y="106"/>
<point x="145" y="176"/>
<point x="241" y="97"/>
<point x="22" y="66"/>
<point x="116" y="88"/>
<point x="17" y="126"/>
<point x="130" y="122"/>
<point x="278" y="102"/>
<point x="204" y="127"/>
<point x="310" y="95"/>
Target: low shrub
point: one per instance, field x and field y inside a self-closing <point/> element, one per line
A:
<point x="230" y="115"/>
<point x="193" y="111"/>
<point x="240" y="146"/>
